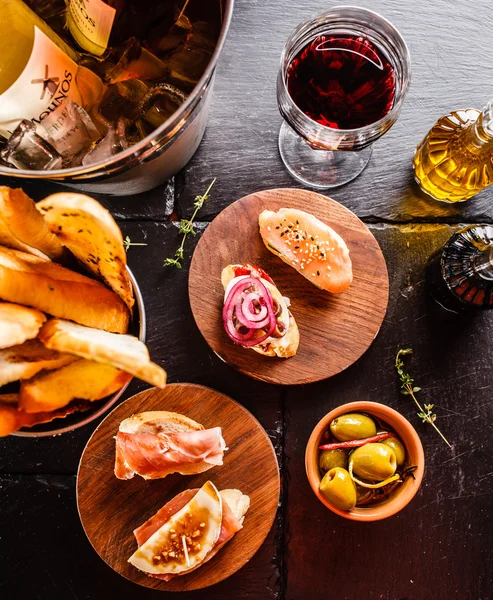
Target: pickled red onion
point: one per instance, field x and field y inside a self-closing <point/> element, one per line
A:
<point x="240" y="303"/>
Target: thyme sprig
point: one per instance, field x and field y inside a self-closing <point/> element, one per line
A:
<point x="127" y="243"/>
<point x="186" y="227"/>
<point x="409" y="389"/>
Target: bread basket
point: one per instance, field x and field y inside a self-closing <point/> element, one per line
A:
<point x="79" y="419"/>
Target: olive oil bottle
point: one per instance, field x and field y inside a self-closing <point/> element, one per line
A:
<point x="455" y="160"/>
<point x="460" y="275"/>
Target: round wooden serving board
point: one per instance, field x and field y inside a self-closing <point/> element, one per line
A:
<point x="110" y="509"/>
<point x="335" y="329"/>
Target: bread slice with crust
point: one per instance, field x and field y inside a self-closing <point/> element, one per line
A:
<point x="23" y="227"/>
<point x="156" y="422"/>
<point x="18" y="324"/>
<point x="53" y="289"/>
<point x="238" y="502"/>
<point x="27" y="359"/>
<point x="125" y="352"/>
<point x="7" y="238"/>
<point x="82" y="379"/>
<point x="89" y="231"/>
<point x="285" y="346"/>
<point x="12" y="418"/>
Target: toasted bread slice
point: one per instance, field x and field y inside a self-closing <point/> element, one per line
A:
<point x="27" y="359"/>
<point x="238" y="502"/>
<point x="82" y="379"/>
<point x="7" y="238"/>
<point x="285" y="346"/>
<point x="12" y="418"/>
<point x="23" y="227"/>
<point x="158" y="421"/>
<point x="18" y="324"/>
<point x="42" y="284"/>
<point x="89" y="231"/>
<point x="122" y="351"/>
<point x="10" y="399"/>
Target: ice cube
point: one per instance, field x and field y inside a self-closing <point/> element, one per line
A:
<point x="138" y="131"/>
<point x="113" y="142"/>
<point x="26" y="149"/>
<point x="175" y="37"/>
<point x="123" y="100"/>
<point x="129" y="61"/>
<point x="73" y="133"/>
<point x="188" y="63"/>
<point x="162" y="101"/>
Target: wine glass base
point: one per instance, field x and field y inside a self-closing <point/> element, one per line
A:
<point x="321" y="169"/>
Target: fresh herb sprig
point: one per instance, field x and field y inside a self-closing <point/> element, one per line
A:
<point x="409" y="389"/>
<point x="127" y="243"/>
<point x="186" y="227"/>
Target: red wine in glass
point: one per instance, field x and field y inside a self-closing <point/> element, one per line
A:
<point x="342" y="81"/>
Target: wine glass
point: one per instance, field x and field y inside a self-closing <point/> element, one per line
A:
<point x="343" y="78"/>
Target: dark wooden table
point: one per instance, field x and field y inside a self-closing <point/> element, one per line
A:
<point x="440" y="546"/>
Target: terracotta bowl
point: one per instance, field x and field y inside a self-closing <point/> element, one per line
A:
<point x="404" y="430"/>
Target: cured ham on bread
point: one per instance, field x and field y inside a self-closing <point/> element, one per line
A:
<point x="188" y="531"/>
<point x="158" y="443"/>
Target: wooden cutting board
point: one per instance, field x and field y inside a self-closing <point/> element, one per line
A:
<point x="110" y="509"/>
<point x="335" y="329"/>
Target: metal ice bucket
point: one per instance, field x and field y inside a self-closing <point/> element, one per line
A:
<point x="157" y="157"/>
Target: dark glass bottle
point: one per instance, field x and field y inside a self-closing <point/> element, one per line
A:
<point x="460" y="275"/>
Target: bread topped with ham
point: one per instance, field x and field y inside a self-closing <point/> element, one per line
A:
<point x="188" y="531"/>
<point x="155" y="444"/>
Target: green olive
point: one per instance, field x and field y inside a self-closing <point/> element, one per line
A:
<point x="398" y="448"/>
<point x="374" y="462"/>
<point x="353" y="426"/>
<point x="339" y="489"/>
<point x="332" y="458"/>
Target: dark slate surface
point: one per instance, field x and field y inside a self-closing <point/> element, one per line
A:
<point x="448" y="41"/>
<point x="57" y="561"/>
<point x="438" y="547"/>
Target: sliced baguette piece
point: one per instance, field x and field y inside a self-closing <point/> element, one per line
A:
<point x="7" y="238"/>
<point x="238" y="502"/>
<point x="285" y="346"/>
<point x="125" y="352"/>
<point x="12" y="418"/>
<point x="10" y="399"/>
<point x="82" y="379"/>
<point x="18" y="324"/>
<point x="158" y="421"/>
<point x="26" y="226"/>
<point x="89" y="231"/>
<point x="27" y="359"/>
<point x="53" y="289"/>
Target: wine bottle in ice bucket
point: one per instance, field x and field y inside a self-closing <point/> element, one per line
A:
<point x="40" y="78"/>
<point x="90" y="22"/>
